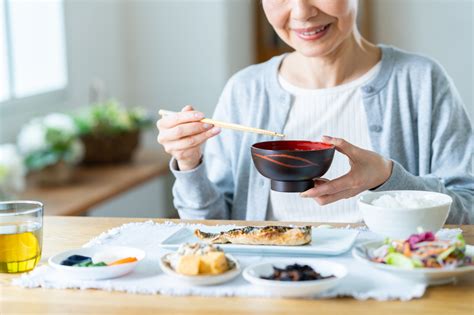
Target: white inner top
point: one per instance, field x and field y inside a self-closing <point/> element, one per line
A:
<point x="337" y="112"/>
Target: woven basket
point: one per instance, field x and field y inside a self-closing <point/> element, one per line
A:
<point x="114" y="148"/>
<point x="53" y="175"/>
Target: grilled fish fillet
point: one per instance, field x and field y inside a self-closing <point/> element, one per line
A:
<point x="255" y="235"/>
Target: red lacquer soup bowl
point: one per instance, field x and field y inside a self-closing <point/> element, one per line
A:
<point x="292" y="164"/>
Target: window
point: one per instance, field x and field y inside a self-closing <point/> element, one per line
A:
<point x="32" y="48"/>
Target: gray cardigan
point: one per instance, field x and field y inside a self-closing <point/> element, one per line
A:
<point x="415" y="117"/>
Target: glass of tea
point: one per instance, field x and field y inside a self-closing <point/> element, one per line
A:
<point x="21" y="235"/>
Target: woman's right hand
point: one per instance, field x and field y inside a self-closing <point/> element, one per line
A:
<point x="182" y="136"/>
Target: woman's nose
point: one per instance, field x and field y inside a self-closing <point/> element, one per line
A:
<point x="303" y="10"/>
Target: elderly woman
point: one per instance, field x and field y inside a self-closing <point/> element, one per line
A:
<point x="395" y="118"/>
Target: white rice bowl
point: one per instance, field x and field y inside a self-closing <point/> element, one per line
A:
<point x="398" y="214"/>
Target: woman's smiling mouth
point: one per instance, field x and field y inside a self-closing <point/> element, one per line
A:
<point x="312" y="33"/>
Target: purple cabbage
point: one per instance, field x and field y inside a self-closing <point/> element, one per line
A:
<point x="418" y="238"/>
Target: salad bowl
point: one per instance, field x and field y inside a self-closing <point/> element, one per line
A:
<point x="431" y="276"/>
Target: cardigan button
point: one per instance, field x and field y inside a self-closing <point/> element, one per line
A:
<point x="375" y="128"/>
<point x="367" y="89"/>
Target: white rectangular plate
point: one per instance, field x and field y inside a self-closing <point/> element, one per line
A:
<point x="324" y="242"/>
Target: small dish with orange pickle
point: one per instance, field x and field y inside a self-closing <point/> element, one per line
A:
<point x="200" y="264"/>
<point x="97" y="263"/>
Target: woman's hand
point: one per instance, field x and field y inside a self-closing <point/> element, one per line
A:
<point x="182" y="135"/>
<point x="368" y="170"/>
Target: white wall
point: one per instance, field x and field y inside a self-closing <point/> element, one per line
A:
<point x="169" y="61"/>
<point x="240" y="37"/>
<point x="95" y="48"/>
<point x="441" y="29"/>
<point x="182" y="52"/>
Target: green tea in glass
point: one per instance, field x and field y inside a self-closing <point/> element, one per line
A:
<point x="21" y="235"/>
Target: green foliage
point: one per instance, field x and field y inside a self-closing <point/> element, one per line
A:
<point x="110" y="118"/>
<point x="40" y="159"/>
<point x="47" y="140"/>
<point x="59" y="148"/>
<point x="60" y="141"/>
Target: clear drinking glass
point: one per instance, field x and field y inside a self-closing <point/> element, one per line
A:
<point x="21" y="235"/>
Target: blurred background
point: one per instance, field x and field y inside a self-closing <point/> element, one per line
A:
<point x="64" y="55"/>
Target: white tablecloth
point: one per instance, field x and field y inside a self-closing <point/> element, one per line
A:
<point x="362" y="282"/>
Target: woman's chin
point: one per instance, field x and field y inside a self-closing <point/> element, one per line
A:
<point x="314" y="52"/>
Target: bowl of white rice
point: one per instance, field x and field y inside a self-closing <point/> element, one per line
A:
<point x="400" y="213"/>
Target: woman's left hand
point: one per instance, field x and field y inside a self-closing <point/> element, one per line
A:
<point x="368" y="170"/>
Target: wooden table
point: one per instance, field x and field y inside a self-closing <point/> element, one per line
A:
<point x="62" y="233"/>
<point x="95" y="184"/>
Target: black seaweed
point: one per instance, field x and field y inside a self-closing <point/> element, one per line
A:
<point x="75" y="259"/>
<point x="296" y="272"/>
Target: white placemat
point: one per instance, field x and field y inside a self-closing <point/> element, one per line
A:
<point x="361" y="283"/>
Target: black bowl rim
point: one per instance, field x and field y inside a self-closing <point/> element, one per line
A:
<point x="330" y="146"/>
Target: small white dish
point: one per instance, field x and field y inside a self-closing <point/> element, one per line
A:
<point x="201" y="280"/>
<point x="400" y="223"/>
<point x="295" y="289"/>
<point x="324" y="242"/>
<point x="430" y="276"/>
<point x="97" y="273"/>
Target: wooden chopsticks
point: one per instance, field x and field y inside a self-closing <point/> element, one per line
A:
<point x="222" y="124"/>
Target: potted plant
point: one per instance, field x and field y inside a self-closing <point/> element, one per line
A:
<point x="12" y="172"/>
<point x="110" y="132"/>
<point x="51" y="147"/>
